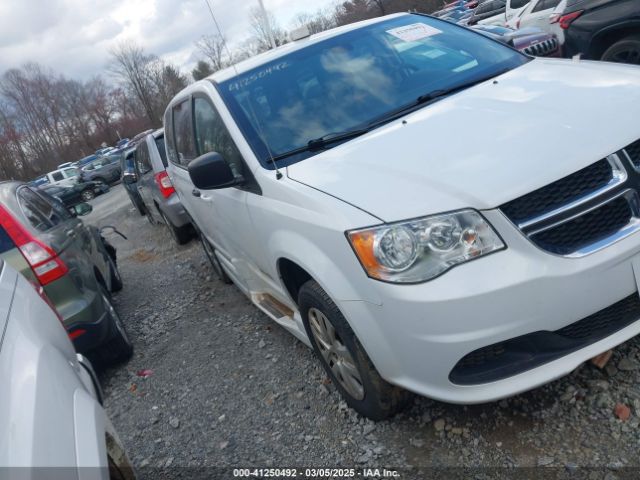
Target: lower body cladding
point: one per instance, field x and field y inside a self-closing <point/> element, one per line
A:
<point x="504" y="323"/>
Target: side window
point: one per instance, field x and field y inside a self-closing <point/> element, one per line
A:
<point x="40" y="214"/>
<point x="546" y="5"/>
<point x="518" y="3"/>
<point x="212" y="135"/>
<point x="58" y="207"/>
<point x="161" y="149"/>
<point x="57" y="176"/>
<point x="172" y="154"/>
<point x="183" y="132"/>
<point x="142" y="158"/>
<point x="70" y="173"/>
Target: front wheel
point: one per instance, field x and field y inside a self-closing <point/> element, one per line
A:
<point x="210" y="252"/>
<point x="344" y="358"/>
<point x="87" y="195"/>
<point x="626" y="50"/>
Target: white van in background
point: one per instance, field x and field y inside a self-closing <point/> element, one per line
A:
<point x="515" y="8"/>
<point x="65" y="177"/>
<point x="541" y="14"/>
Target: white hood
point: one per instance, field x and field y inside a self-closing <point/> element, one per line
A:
<point x="486" y="145"/>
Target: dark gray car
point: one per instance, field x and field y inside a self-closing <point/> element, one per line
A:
<point x="160" y="199"/>
<point x="103" y="169"/>
<point x="72" y="263"/>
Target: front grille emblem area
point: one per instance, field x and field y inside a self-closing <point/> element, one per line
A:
<point x="585" y="211"/>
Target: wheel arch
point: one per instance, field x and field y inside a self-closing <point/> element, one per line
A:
<point x="604" y="39"/>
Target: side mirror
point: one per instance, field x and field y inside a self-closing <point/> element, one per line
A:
<point x="129" y="178"/>
<point x="210" y="172"/>
<point x="82" y="209"/>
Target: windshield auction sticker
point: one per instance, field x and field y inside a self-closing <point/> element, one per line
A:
<point x="413" y="32"/>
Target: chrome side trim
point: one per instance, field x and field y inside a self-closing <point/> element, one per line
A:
<point x="619" y="175"/>
<point x="630" y="160"/>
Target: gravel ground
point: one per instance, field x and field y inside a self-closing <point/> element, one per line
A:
<point x="229" y="387"/>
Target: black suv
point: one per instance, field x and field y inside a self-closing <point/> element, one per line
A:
<point x="602" y="30"/>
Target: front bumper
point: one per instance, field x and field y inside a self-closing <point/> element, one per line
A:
<point x="419" y="333"/>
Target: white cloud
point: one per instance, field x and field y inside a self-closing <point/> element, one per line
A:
<point x="74" y="36"/>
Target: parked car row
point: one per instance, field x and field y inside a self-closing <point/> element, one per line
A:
<point x="606" y="30"/>
<point x="145" y="176"/>
<point x="57" y="276"/>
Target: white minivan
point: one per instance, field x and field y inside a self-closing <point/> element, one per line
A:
<point x="429" y="209"/>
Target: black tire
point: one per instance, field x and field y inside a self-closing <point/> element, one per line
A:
<point x="210" y="252"/>
<point x="626" y="50"/>
<point x="150" y="217"/>
<point x="119" y="348"/>
<point x="87" y="195"/>
<point x="100" y="180"/>
<point x="380" y="399"/>
<point x="116" y="279"/>
<point x="181" y="235"/>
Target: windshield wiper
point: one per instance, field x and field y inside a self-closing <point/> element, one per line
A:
<point x="323" y="142"/>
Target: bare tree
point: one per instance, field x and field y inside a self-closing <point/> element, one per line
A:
<point x="318" y="22"/>
<point x="202" y="70"/>
<point x="213" y="47"/>
<point x="261" y="24"/>
<point x="134" y="68"/>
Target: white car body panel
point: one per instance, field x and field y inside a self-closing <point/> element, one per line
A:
<point x="50" y="415"/>
<point x="478" y="149"/>
<point x="424" y="170"/>
<point x="498" y="19"/>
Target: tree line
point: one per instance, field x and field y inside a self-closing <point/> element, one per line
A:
<point x="47" y="118"/>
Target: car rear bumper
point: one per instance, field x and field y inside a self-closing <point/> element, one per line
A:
<point x="420" y="334"/>
<point x="174" y="211"/>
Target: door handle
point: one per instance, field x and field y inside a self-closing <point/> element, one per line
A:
<point x="196" y="193"/>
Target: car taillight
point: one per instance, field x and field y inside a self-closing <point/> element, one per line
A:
<point x="566" y="20"/>
<point x="44" y="262"/>
<point x="164" y="183"/>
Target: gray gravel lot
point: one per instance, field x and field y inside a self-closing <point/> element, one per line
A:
<point x="230" y="388"/>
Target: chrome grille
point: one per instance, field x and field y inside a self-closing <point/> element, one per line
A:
<point x="585" y="211"/>
<point x="543" y="48"/>
<point x="633" y="153"/>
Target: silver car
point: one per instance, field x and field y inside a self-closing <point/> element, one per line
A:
<point x="51" y="411"/>
<point x="161" y="202"/>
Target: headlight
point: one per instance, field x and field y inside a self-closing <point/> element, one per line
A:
<point x="421" y="249"/>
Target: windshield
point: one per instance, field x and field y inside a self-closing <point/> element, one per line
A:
<point x="348" y="81"/>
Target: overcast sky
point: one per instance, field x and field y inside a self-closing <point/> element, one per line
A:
<point x="74" y="36"/>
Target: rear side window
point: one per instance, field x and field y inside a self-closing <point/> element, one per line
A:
<point x="6" y="243"/>
<point x="57" y="176"/>
<point x="183" y="132"/>
<point x="518" y="3"/>
<point x="212" y="135"/>
<point x="142" y="158"/>
<point x="39" y="213"/>
<point x="545" y="5"/>
<point x="161" y="150"/>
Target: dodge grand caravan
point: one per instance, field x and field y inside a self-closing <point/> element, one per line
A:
<point x="330" y="184"/>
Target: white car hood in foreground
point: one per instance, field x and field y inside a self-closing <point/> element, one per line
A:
<point x="486" y="145"/>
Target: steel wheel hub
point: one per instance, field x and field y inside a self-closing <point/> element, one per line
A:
<point x="336" y="354"/>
